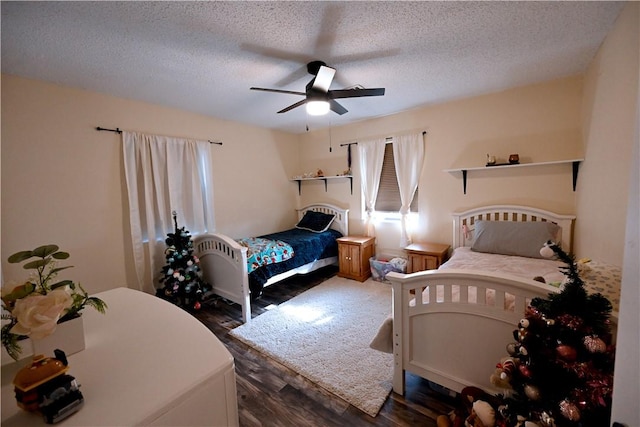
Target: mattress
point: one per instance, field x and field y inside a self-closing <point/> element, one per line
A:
<point x="598" y="277"/>
<point x="464" y="258"/>
<point x="306" y="245"/>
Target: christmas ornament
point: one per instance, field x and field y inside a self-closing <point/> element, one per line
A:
<point x="522" y="334"/>
<point x="525" y="371"/>
<point x="532" y="392"/>
<point x="567" y="352"/>
<point x="570" y="321"/>
<point x="594" y="344"/>
<point x="547" y="420"/>
<point x="569" y="410"/>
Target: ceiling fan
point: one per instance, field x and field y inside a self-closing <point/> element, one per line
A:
<point x="318" y="97"/>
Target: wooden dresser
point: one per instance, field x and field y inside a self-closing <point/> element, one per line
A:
<point x="354" y="253"/>
<point x="426" y="256"/>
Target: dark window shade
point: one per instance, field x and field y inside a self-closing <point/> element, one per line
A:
<point x="388" y="193"/>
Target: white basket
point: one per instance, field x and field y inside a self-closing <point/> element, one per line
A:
<point x="381" y="265"/>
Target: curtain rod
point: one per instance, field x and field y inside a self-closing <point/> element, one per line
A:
<point x="424" y="132"/>
<point x="118" y="130"/>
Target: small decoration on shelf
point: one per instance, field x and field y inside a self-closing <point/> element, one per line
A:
<point x="182" y="280"/>
<point x="562" y="358"/>
<point x="37" y="306"/>
<point x="44" y="387"/>
<point x="319" y="173"/>
<point x="513" y="159"/>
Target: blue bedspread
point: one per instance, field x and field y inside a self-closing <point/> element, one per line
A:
<point x="307" y="247"/>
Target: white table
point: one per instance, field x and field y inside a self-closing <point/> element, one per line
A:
<point x="146" y="362"/>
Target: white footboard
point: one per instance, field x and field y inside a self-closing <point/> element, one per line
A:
<point x="458" y="330"/>
<point x="224" y="266"/>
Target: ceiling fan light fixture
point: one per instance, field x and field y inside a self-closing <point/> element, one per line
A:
<point x="317" y="108"/>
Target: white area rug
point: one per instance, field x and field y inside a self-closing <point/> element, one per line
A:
<point x="324" y="335"/>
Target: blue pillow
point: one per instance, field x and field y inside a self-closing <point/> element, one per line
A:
<point x="315" y="221"/>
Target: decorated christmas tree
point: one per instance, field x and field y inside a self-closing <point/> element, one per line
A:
<point x="559" y="371"/>
<point x="182" y="279"/>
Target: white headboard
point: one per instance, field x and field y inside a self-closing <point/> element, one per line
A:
<point x="464" y="222"/>
<point x="340" y="223"/>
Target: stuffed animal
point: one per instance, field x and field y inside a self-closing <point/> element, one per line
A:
<point x="474" y="410"/>
<point x="501" y="377"/>
<point x="482" y="415"/>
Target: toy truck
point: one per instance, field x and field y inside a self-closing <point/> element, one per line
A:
<point x="45" y="387"/>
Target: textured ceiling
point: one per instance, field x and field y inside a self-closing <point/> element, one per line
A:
<point x="204" y="56"/>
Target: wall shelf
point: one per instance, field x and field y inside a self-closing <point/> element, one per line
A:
<point x="325" y="179"/>
<point x="574" y="162"/>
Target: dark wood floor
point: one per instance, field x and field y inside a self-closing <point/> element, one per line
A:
<point x="270" y="394"/>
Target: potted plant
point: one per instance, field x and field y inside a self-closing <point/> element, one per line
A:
<point x="34" y="308"/>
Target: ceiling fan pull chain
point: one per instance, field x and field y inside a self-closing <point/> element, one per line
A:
<point x="330" y="133"/>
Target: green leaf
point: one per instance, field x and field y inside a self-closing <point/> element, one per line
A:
<point x="10" y="341"/>
<point x="20" y="256"/>
<point x="37" y="263"/>
<point x="60" y="255"/>
<point x="61" y="284"/>
<point x="19" y="292"/>
<point x="45" y="251"/>
<point x="98" y="304"/>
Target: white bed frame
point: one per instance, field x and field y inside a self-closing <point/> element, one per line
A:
<point x="458" y="343"/>
<point x="224" y="262"/>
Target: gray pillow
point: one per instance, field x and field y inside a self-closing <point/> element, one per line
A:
<point x="513" y="238"/>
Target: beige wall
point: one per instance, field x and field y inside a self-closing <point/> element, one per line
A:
<point x="62" y="179"/>
<point x="539" y="122"/>
<point x="610" y="111"/>
<point x="626" y="393"/>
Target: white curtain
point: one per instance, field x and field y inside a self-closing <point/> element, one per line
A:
<point x="408" y="157"/>
<point x="371" y="157"/>
<point x="164" y="174"/>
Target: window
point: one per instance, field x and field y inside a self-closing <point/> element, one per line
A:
<point x="388" y="199"/>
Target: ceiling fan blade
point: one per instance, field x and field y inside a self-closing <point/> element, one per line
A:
<point x="354" y="93"/>
<point x="323" y="79"/>
<point x="278" y="91"/>
<point x="291" y="107"/>
<point x="337" y="108"/>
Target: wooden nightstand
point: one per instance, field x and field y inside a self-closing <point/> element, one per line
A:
<point x="354" y="253"/>
<point x="426" y="256"/>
